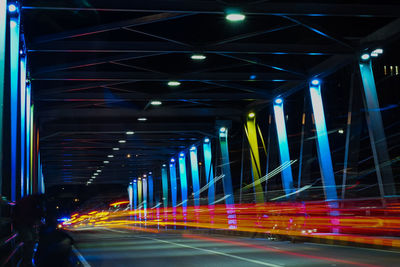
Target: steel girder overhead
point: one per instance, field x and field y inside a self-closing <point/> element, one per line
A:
<point x="96" y="66"/>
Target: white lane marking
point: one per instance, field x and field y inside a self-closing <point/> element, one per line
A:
<point x="216" y="252"/>
<point x="80" y="257"/>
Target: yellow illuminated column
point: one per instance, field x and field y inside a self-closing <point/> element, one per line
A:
<point x="251" y="132"/>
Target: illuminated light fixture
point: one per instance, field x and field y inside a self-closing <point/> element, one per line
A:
<point x="98" y="170"/>
<point x="378" y="51"/>
<point x="110" y="156"/>
<point x="156" y="103"/>
<point x="172" y="160"/>
<point x="206" y="140"/>
<point x="106" y="161"/>
<point x="144" y="175"/>
<point x="365" y="56"/>
<point x="341" y="131"/>
<point x="164" y="165"/>
<point x="251" y="115"/>
<point x="174" y="83"/>
<point x="234" y="17"/>
<point x="193" y="148"/>
<point x="182" y="154"/>
<point x="130" y="132"/>
<point x="315" y="82"/>
<point x="278" y="101"/>
<point x="253" y="77"/>
<point x="142" y="119"/>
<point x="150" y="173"/>
<point x="116" y="148"/>
<point x="128" y="156"/>
<point x="374" y="54"/>
<point x="122" y="141"/>
<point x="95" y="174"/>
<point x="222" y="130"/>
<point x="171" y="165"/>
<point x="21" y="52"/>
<point x="198" y="57"/>
<point x="12" y="8"/>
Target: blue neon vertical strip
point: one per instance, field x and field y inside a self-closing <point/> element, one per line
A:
<point x="324" y="152"/>
<point x="208" y="168"/>
<point x="28" y="137"/>
<point x="287" y="177"/>
<point x="195" y="175"/>
<point x="183" y="179"/>
<point x="14" y="80"/>
<point x="226" y="168"/>
<point x="164" y="180"/>
<point x="23" y="121"/>
<point x="144" y="184"/>
<point x="151" y="194"/>
<point x="43" y="189"/>
<point x="3" y="27"/>
<point x="135" y="196"/>
<point x="172" y="177"/>
<point x="130" y="195"/>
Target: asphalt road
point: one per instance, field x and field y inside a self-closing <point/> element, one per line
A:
<point x="123" y="248"/>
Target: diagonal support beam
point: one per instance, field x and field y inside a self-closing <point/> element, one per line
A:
<point x="109" y="27"/>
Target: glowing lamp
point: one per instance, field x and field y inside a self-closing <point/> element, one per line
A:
<point x="278" y="101"/>
<point x="206" y="140"/>
<point x="156" y="103"/>
<point x="234" y="17"/>
<point x="315" y="82"/>
<point x="174" y="83"/>
<point x="12" y="8"/>
<point x="198" y="57"/>
<point x="365" y="57"/>
<point x="252" y="115"/>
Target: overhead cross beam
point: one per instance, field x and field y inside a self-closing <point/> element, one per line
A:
<point x="168" y="47"/>
<point x="213" y="7"/>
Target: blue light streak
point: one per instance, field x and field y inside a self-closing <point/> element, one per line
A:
<point x="226" y="167"/>
<point x="324" y="152"/>
<point x="23" y="122"/>
<point x="150" y="184"/>
<point x="164" y="180"/>
<point x="287" y="177"/>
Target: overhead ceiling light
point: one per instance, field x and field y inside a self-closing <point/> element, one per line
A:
<point x="156" y="103"/>
<point x="128" y="156"/>
<point x="341" y="131"/>
<point x="110" y="156"/>
<point x="106" y="161"/>
<point x="95" y="174"/>
<point x="116" y="148"/>
<point x="174" y="83"/>
<point x="142" y="119"/>
<point x="198" y="57"/>
<point x="378" y="51"/>
<point x="122" y="141"/>
<point x="130" y="132"/>
<point x="98" y="170"/>
<point x="234" y="17"/>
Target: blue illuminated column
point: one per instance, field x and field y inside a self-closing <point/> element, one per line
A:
<point x="183" y="179"/>
<point x="144" y="184"/>
<point x="150" y="185"/>
<point x="208" y="168"/>
<point x="195" y="175"/>
<point x="226" y="167"/>
<point x="28" y="137"/>
<point x="3" y="22"/>
<point x="324" y="152"/>
<point x="14" y="80"/>
<point x="172" y="177"/>
<point x="23" y="122"/>
<point x="135" y="196"/>
<point x="376" y="131"/>
<point x="287" y="177"/>
<point x="130" y="195"/>
<point x="164" y="180"/>
<point x="140" y="194"/>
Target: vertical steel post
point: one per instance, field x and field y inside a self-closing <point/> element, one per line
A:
<point x="287" y="177"/>
<point x="376" y="131"/>
<point x="3" y="22"/>
<point x="183" y="179"/>
<point x="14" y="81"/>
<point x="23" y="122"/>
<point x="324" y="152"/>
<point x="208" y="170"/>
<point x="151" y="189"/>
<point x="195" y="175"/>
<point x="144" y="185"/>
<point x="255" y="157"/>
<point x="164" y="180"/>
<point x="172" y="177"/>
